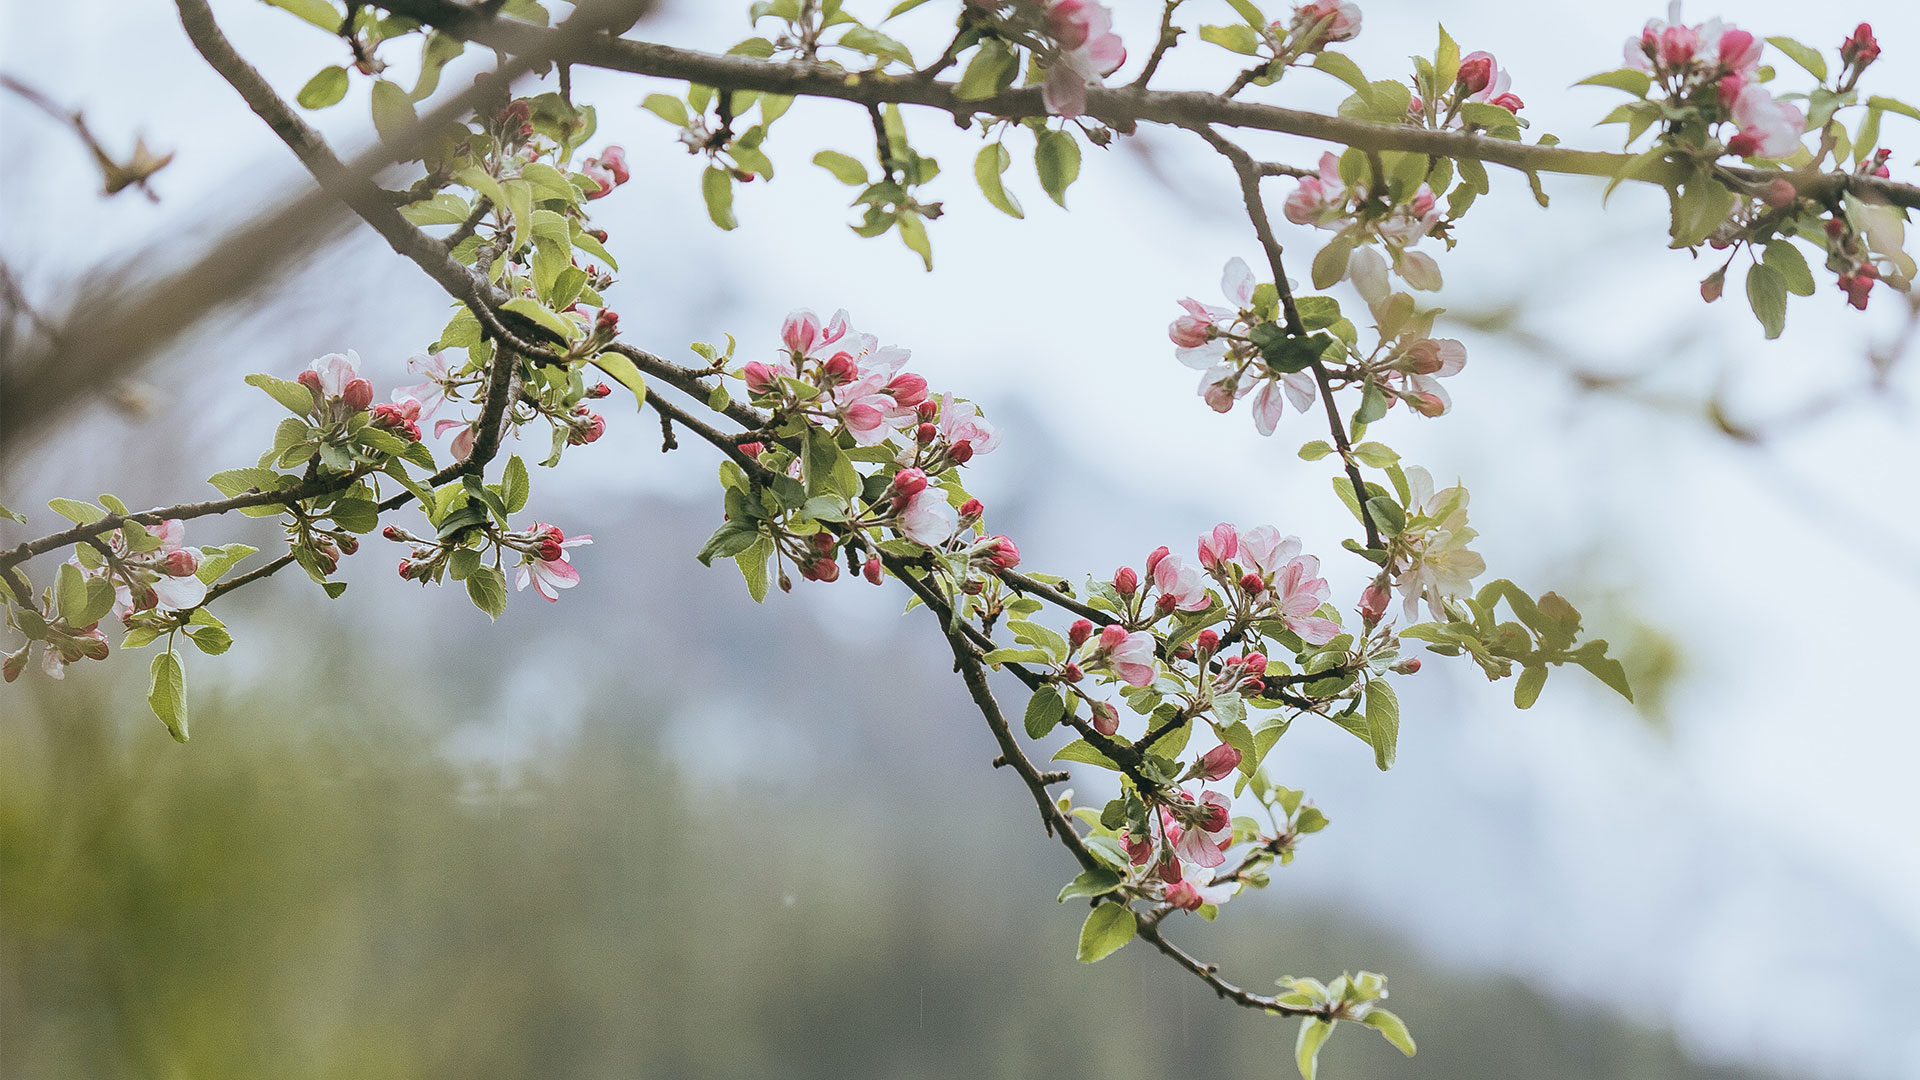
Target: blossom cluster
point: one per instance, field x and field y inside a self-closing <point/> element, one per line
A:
<point x="1714" y="67"/>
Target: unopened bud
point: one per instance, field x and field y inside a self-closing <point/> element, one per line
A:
<point x="910" y="482"/>
<point x="1002" y="553"/>
<point x="357" y="395"/>
<point x="1255" y="663"/>
<point x="1125" y="581"/>
<point x="961" y="452"/>
<point x="1219" y="762"/>
<point x="1407" y="667"/>
<point x="1208" y="641"/>
<point x="406" y="569"/>
<point x="842" y="368"/>
<point x="871" y="571"/>
<point x="1106" y="719"/>
<point x="1165" y="604"/>
<point x="1071" y="672"/>
<point x="925" y="434"/>
<point x="822" y="542"/>
<point x="1253" y="583"/>
<point x="1153" y="559"/>
<point x="826" y="570"/>
<point x="1373" y="602"/>
<point x="1112" y="636"/>
<point x="309" y="379"/>
<point x="390" y="532"/>
<point x="599" y="390"/>
<point x="927" y="410"/>
<point x="1079" y="632"/>
<point x="180" y="563"/>
<point x="972" y="508"/>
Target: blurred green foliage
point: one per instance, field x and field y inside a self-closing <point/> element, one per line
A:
<point x="321" y="892"/>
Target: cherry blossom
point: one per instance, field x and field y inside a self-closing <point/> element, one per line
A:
<point x="961" y="424"/>
<point x="1086" y="52"/>
<point x="1321" y="200"/>
<point x="546" y="565"/>
<point x="1768" y="128"/>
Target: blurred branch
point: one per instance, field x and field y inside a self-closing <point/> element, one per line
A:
<point x="115" y="177"/>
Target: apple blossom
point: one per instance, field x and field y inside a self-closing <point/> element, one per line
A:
<point x="1180" y="585"/>
<point x="928" y="518"/>
<point x="1086" y="52"/>
<point x="432" y="392"/>
<point x="545" y="564"/>
<point x="1323" y="22"/>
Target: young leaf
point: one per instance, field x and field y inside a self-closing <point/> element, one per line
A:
<point x="1786" y="260"/>
<point x="846" y="169"/>
<point x="1096" y="882"/>
<point x="666" y="107"/>
<point x="167" y="694"/>
<point x="1767" y="292"/>
<point x="1810" y="59"/>
<point x="326" y="88"/>
<point x="1526" y="690"/>
<point x="624" y="371"/>
<point x="987" y="171"/>
<point x="297" y="399"/>
<point x="1383" y="722"/>
<point x="1306" y="1048"/>
<point x="392" y="111"/>
<point x="716" y="186"/>
<point x="1044" y="710"/>
<point x="514" y="485"/>
<point x="1057" y="158"/>
<point x="1108" y="928"/>
<point x="1392" y="1028"/>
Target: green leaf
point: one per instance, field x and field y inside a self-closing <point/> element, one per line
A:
<point x="1893" y="105"/>
<point x="1315" y="450"/>
<point x="1238" y="38"/>
<point x="1306" y="1048"/>
<point x="1015" y="656"/>
<point x="913" y="233"/>
<point x="80" y="513"/>
<point x="217" y="561"/>
<point x="1593" y="656"/>
<point x="514" y="485"/>
<point x="318" y="12"/>
<point x="624" y="371"/>
<point x="1044" y="710"/>
<point x="1383" y="722"/>
<point x="1330" y="265"/>
<point x="1086" y="753"/>
<point x="487" y="588"/>
<point x="988" y="168"/>
<point x="990" y="71"/>
<point x="716" y="186"/>
<point x="1096" y="882"/>
<point x="70" y="594"/>
<point x="753" y="567"/>
<point x="1107" y="928"/>
<point x="1767" y="293"/>
<point x="1342" y="68"/>
<point x="1810" y="59"/>
<point x="1786" y="260"/>
<point x="1633" y="82"/>
<point x="845" y="168"/>
<point x="1698" y="209"/>
<point x="483" y="184"/>
<point x="667" y="107"/>
<point x="1057" y="158"/>
<point x="326" y="88"/>
<point x="167" y="694"/>
<point x="11" y="515"/>
<point x="874" y="43"/>
<point x="297" y="399"/>
<point x="211" y="640"/>
<point x="1526" y="690"/>
<point x="439" y="51"/>
<point x="392" y="109"/>
<point x="538" y="312"/>
<point x="1392" y="1028"/>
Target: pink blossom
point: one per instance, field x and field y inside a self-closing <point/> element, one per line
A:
<point x="335" y="371"/>
<point x="462" y="447"/>
<point x="1773" y="127"/>
<point x="1129" y="654"/>
<point x="1323" y="22"/>
<point x="1298" y="592"/>
<point x="1298" y="387"/>
<point x="1198" y="332"/>
<point x="547" y="567"/>
<point x="928" y="518"/>
<point x="1183" y="583"/>
<point x="1219" y="762"/>
<point x="1193" y="891"/>
<point x="431" y="393"/>
<point x="806" y="338"/>
<point x="1320" y="200"/>
<point x="608" y="171"/>
<point x="1203" y="846"/>
<point x="1483" y="79"/>
<point x="961" y="422"/>
<point x="1220" y="544"/>
<point x="1087" y="51"/>
<point x="1264" y="551"/>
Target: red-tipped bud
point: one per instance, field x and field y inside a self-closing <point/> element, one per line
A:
<point x="1208" y="641"/>
<point x="1475" y="73"/>
<point x="1112" y="636"/>
<point x="180" y="563"/>
<point x="1125" y="581"/>
<point x="1165" y="604"/>
<point x="1106" y="719"/>
<point x="1861" y="48"/>
<point x="390" y="532"/>
<point x="1002" y="553"/>
<point x="826" y="570"/>
<point x="927" y="410"/>
<point x="1743" y="145"/>
<point x="1219" y="762"/>
<point x="1184" y="652"/>
<point x="1079" y="632"/>
<point x="1184" y="896"/>
<point x="871" y="571"/>
<point x="972" y="508"/>
<point x="596" y="426"/>
<point x="908" y="389"/>
<point x="1171" y="872"/>
<point x="608" y="321"/>
<point x="842" y="368"/>
<point x="1153" y="559"/>
<point x="925" y="434"/>
<point x="1254" y="664"/>
<point x="1407" y="667"/>
<point x="598" y="390"/>
<point x="309" y="379"/>
<point x="1213" y="818"/>
<point x="759" y="377"/>
<point x="822" y="542"/>
<point x="910" y="482"/>
<point x="1071" y="672"/>
<point x="753" y="449"/>
<point x="1836" y="228"/>
<point x="961" y="452"/>
<point x="1780" y="194"/>
<point x="406" y="569"/>
<point x="1253" y="583"/>
<point x="1139" y="849"/>
<point x="357" y="395"/>
<point x="349" y="544"/>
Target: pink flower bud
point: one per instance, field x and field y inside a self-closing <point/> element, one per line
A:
<point x="1860" y="48"/>
<point x="1002" y="553"/>
<point x="826" y="570"/>
<point x="871" y="571"/>
<point x="390" y="533"/>
<point x="822" y="542"/>
<point x="1219" y="762"/>
<point x="759" y="377"/>
<point x="925" y="434"/>
<point x="753" y="449"/>
<point x="1139" y="849"/>
<point x="1112" y="636"/>
<point x="1408" y="666"/>
<point x="1208" y="641"/>
<point x="1475" y="72"/>
<point x="1780" y="194"/>
<point x="927" y="410"/>
<point x="910" y="482"/>
<point x="1190" y="331"/>
<point x="961" y="452"/>
<point x="1373" y="601"/>
<point x="1166" y="603"/>
<point x="357" y="395"/>
<point x="1213" y="817"/>
<point x="841" y="368"/>
<point x="309" y="379"/>
<point x="1171" y="872"/>
<point x="1071" y="672"/>
<point x="599" y="390"/>
<point x="1836" y="228"/>
<point x="1253" y="583"/>
<point x="1743" y="145"/>
<point x="1509" y="101"/>
<point x="607" y="321"/>
<point x="1106" y="719"/>
<point x="972" y="508"/>
<point x="908" y="389"/>
<point x="1125" y="581"/>
<point x="596" y="427"/>
<point x="181" y="562"/>
<point x="1154" y="557"/>
<point x="406" y="569"/>
<point x="1254" y="663"/>
<point x="1079" y="632"/>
